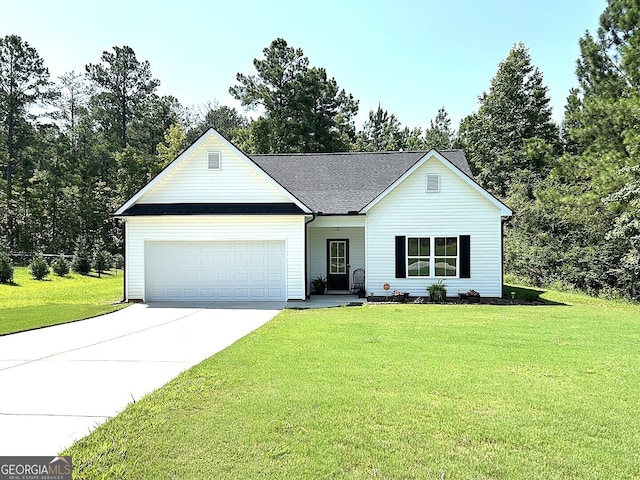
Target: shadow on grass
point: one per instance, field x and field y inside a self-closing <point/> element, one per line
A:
<point x="94" y="274"/>
<point x="527" y="294"/>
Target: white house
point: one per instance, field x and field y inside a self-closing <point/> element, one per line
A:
<point x="218" y="224"/>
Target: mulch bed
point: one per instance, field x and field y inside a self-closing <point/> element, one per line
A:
<point x="455" y="300"/>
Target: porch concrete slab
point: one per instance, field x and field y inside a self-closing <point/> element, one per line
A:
<point x="60" y="382"/>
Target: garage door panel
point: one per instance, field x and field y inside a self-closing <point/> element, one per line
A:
<point x="240" y="278"/>
<point x="207" y="277"/>
<point x="240" y="247"/>
<point x="225" y="278"/>
<point x="225" y="271"/>
<point x="258" y="277"/>
<point x="224" y="247"/>
<point x="224" y="261"/>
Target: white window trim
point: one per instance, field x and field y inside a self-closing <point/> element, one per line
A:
<point x="209" y="154"/>
<point x="432" y="256"/>
<point x="343" y="269"/>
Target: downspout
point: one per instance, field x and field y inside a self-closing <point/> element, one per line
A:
<point x="124" y="262"/>
<point x="504" y="220"/>
<point x="307" y="295"/>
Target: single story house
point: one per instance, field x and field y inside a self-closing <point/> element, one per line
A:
<point x="220" y="225"/>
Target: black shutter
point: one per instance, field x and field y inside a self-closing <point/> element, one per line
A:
<point x="401" y="258"/>
<point x="465" y="256"/>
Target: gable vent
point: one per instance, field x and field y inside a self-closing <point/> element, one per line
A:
<point x="213" y="160"/>
<point x="433" y="182"/>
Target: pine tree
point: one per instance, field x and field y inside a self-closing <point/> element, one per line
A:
<point x="439" y="135"/>
<point x="6" y="268"/>
<point x="82" y="257"/>
<point x="304" y="109"/>
<point x="514" y="115"/>
<point x="39" y="268"/>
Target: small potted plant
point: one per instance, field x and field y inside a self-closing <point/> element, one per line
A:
<point x="437" y="292"/>
<point x="473" y="296"/>
<point x="319" y="285"/>
<point x="399" y="296"/>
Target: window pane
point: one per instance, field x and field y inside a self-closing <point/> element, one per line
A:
<point x="337" y="267"/>
<point x="341" y="249"/>
<point x="452" y="246"/>
<point x="424" y="246"/>
<point x="446" y="267"/>
<point x="418" y="267"/>
<point x="413" y="246"/>
<point x="333" y="249"/>
<point x="441" y="246"/>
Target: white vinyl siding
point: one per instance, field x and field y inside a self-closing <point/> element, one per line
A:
<point x="458" y="209"/>
<point x="287" y="229"/>
<point x="192" y="181"/>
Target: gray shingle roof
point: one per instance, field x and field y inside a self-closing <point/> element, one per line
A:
<point x="339" y="183"/>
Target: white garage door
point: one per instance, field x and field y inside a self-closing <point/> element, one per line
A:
<point x="222" y="271"/>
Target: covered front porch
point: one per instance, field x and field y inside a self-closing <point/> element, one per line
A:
<point x="335" y="250"/>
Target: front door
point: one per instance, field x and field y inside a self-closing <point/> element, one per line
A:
<point x="338" y="264"/>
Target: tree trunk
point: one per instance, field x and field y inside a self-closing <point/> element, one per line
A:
<point x="10" y="150"/>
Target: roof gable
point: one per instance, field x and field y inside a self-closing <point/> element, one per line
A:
<point x="342" y="183"/>
<point x="325" y="183"/>
<point x="459" y="173"/>
<point x="188" y="180"/>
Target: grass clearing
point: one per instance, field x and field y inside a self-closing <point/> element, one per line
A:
<point x="396" y="391"/>
<point x="27" y="304"/>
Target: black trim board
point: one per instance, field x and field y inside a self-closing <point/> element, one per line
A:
<point x="144" y="209"/>
<point x="401" y="257"/>
<point x="465" y="256"/>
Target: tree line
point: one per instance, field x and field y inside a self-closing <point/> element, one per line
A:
<point x="75" y="148"/>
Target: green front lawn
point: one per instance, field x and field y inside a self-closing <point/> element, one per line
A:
<point x="27" y="304"/>
<point x="396" y="391"/>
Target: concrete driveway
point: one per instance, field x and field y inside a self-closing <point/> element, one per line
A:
<point x="58" y="383"/>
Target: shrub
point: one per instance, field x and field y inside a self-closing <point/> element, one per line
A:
<point x="118" y="261"/>
<point x="81" y="257"/>
<point x="438" y="292"/>
<point x="102" y="259"/>
<point x="60" y="266"/>
<point x="38" y="268"/>
<point x="6" y="268"/>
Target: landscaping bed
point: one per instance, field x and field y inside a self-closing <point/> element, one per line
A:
<point x="456" y="300"/>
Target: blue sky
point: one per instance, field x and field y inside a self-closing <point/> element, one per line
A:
<point x="410" y="56"/>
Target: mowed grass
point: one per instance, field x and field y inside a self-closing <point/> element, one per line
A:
<point x="27" y="304"/>
<point x="396" y="392"/>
